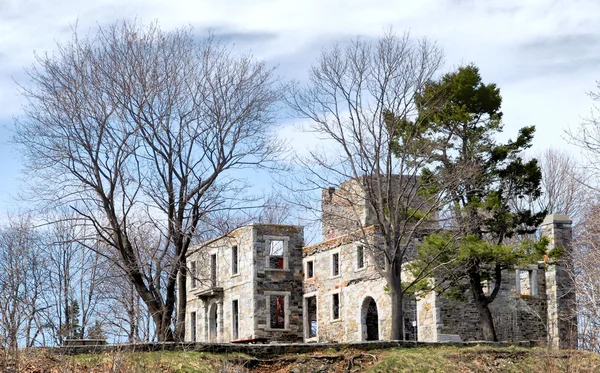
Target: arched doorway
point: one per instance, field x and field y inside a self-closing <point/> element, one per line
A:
<point x="370" y="320"/>
<point x="212" y="323"/>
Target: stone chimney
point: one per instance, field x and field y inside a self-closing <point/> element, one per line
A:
<point x="560" y="289"/>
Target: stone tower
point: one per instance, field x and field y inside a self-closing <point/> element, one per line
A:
<point x="344" y="209"/>
<point x="560" y="289"/>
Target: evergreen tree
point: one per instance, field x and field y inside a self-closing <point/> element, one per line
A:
<point x="481" y="177"/>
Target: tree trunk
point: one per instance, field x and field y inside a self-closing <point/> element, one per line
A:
<point x="181" y="304"/>
<point x="486" y="322"/>
<point x="395" y="286"/>
<point x="481" y="303"/>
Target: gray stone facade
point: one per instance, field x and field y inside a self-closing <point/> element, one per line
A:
<point x="535" y="302"/>
<point x="226" y="305"/>
<point x="332" y="291"/>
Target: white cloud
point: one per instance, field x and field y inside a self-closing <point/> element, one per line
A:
<point x="543" y="54"/>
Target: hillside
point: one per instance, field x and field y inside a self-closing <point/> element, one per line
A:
<point x="433" y="359"/>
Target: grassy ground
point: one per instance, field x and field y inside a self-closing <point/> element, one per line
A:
<point x="433" y="359"/>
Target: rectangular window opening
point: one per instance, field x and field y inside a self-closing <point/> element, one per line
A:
<point x="311" y="305"/>
<point x="193" y="326"/>
<point x="277" y="311"/>
<point x="193" y="282"/>
<point x="276" y="254"/>
<point x="213" y="270"/>
<point x="310" y="267"/>
<point x="335" y="303"/>
<point x="335" y="306"/>
<point x="234" y="260"/>
<point x="335" y="258"/>
<point x="527" y="282"/>
<point x="235" y="318"/>
<point x="360" y="257"/>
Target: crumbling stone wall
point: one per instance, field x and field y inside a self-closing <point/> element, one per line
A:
<point x="536" y="302"/>
<point x="347" y="209"/>
<point x="517" y="317"/>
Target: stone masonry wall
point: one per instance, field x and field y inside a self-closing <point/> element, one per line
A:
<point x="355" y="286"/>
<point x="271" y="282"/>
<point x="562" y="309"/>
<point x="517" y="317"/>
<point x="251" y="286"/>
<point x="343" y="209"/>
<point x="235" y="287"/>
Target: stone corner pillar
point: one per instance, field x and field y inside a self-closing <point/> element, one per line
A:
<point x="560" y="287"/>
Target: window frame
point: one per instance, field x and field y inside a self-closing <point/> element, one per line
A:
<point x="532" y="276"/>
<point x="310" y="264"/>
<point x="270" y="295"/>
<point x="361" y="263"/>
<point x="333" y="296"/>
<point x="193" y="326"/>
<point x="306" y="318"/>
<point x="235" y="319"/>
<point x="268" y="256"/>
<point x="235" y="260"/>
<point x="214" y="269"/>
<point x="339" y="264"/>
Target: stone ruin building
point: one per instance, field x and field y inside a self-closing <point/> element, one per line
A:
<point x="261" y="284"/>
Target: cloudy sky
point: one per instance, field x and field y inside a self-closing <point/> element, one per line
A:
<point x="543" y="54"/>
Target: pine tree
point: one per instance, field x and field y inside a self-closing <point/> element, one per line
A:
<point x="480" y="177"/>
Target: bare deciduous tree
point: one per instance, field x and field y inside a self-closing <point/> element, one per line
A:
<point x="22" y="280"/>
<point x="134" y="126"/>
<point x="360" y="100"/>
<point x="563" y="184"/>
<point x="586" y="275"/>
<point x="276" y="210"/>
<point x="75" y="273"/>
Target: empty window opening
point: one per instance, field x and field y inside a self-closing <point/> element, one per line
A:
<point x="213" y="270"/>
<point x="311" y="306"/>
<point x="335" y="306"/>
<point x="235" y="318"/>
<point x="360" y="257"/>
<point x="310" y="267"/>
<point x="193" y="326"/>
<point x="193" y="283"/>
<point x="526" y="282"/>
<point x="276" y="254"/>
<point x="335" y="262"/>
<point x="277" y="311"/>
<point x="234" y="260"/>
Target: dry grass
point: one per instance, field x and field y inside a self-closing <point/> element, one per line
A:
<point x="442" y="359"/>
